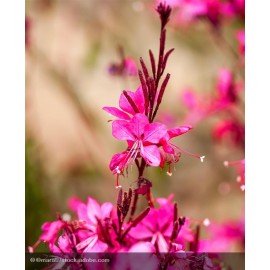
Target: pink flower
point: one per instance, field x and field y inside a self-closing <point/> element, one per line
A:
<point x="127" y="67"/>
<point x="155" y="228"/>
<point x="201" y="107"/>
<point x="51" y="230"/>
<point x="234" y="8"/>
<point x="232" y="130"/>
<point x="126" y="108"/>
<point x="93" y="215"/>
<point x="224" y="236"/>
<point x="50" y="234"/>
<point x="142" y="138"/>
<point x="190" y="10"/>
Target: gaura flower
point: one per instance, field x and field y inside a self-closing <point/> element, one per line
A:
<point x="93" y="215"/>
<point x="157" y="229"/>
<point x="224" y="237"/>
<point x="227" y="95"/>
<point x="127" y="110"/>
<point x="230" y="129"/>
<point x="142" y="138"/>
<point x="127" y="67"/>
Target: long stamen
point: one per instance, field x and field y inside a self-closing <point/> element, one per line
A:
<point x="32" y="248"/>
<point x="117" y="182"/>
<point x="232" y="163"/>
<point x="185" y="151"/>
<point x="132" y="154"/>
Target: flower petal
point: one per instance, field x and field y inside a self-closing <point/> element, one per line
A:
<point x="162" y="244"/>
<point x="137" y="124"/>
<point x="74" y="203"/>
<point x="138" y="99"/>
<point x="116" y="112"/>
<point x="106" y="209"/>
<point x="121" y="130"/>
<point x="174" y="132"/>
<point x="154" y="132"/>
<point x="93" y="210"/>
<point x="119" y="161"/>
<point x="151" y="155"/>
<point x="142" y="247"/>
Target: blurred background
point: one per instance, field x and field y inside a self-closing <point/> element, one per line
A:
<point x="70" y="45"/>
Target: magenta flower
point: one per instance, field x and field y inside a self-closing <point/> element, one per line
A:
<point x="223" y="237"/>
<point x="191" y="10"/>
<point x="201" y="107"/>
<point x="93" y="215"/>
<point x="142" y="138"/>
<point x="127" y="67"/>
<point x="232" y="130"/>
<point x="157" y="229"/>
<point x="50" y="233"/>
<point x="127" y="109"/>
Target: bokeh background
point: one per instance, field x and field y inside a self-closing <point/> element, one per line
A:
<point x="69" y="144"/>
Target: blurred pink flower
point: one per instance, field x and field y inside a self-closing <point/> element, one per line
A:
<point x="224" y="236"/>
<point x="127" y="67"/>
<point x="232" y="130"/>
<point x="227" y="95"/>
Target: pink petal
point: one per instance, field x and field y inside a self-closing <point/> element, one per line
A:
<point x="154" y="132"/>
<point x="74" y="203"/>
<point x="116" y="112"/>
<point x="121" y="130"/>
<point x="98" y="247"/>
<point x="142" y="247"/>
<point x="138" y="99"/>
<point x="118" y="160"/>
<point x="138" y="123"/>
<point x="162" y="244"/>
<point x="106" y="209"/>
<point x="167" y="148"/>
<point x="140" y="232"/>
<point x="174" y="132"/>
<point x="225" y="81"/>
<point x="165" y="201"/>
<point x="189" y="99"/>
<point x="151" y="155"/>
<point x="88" y="242"/>
<point x="51" y="230"/>
<point x="82" y="212"/>
<point x="93" y="210"/>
